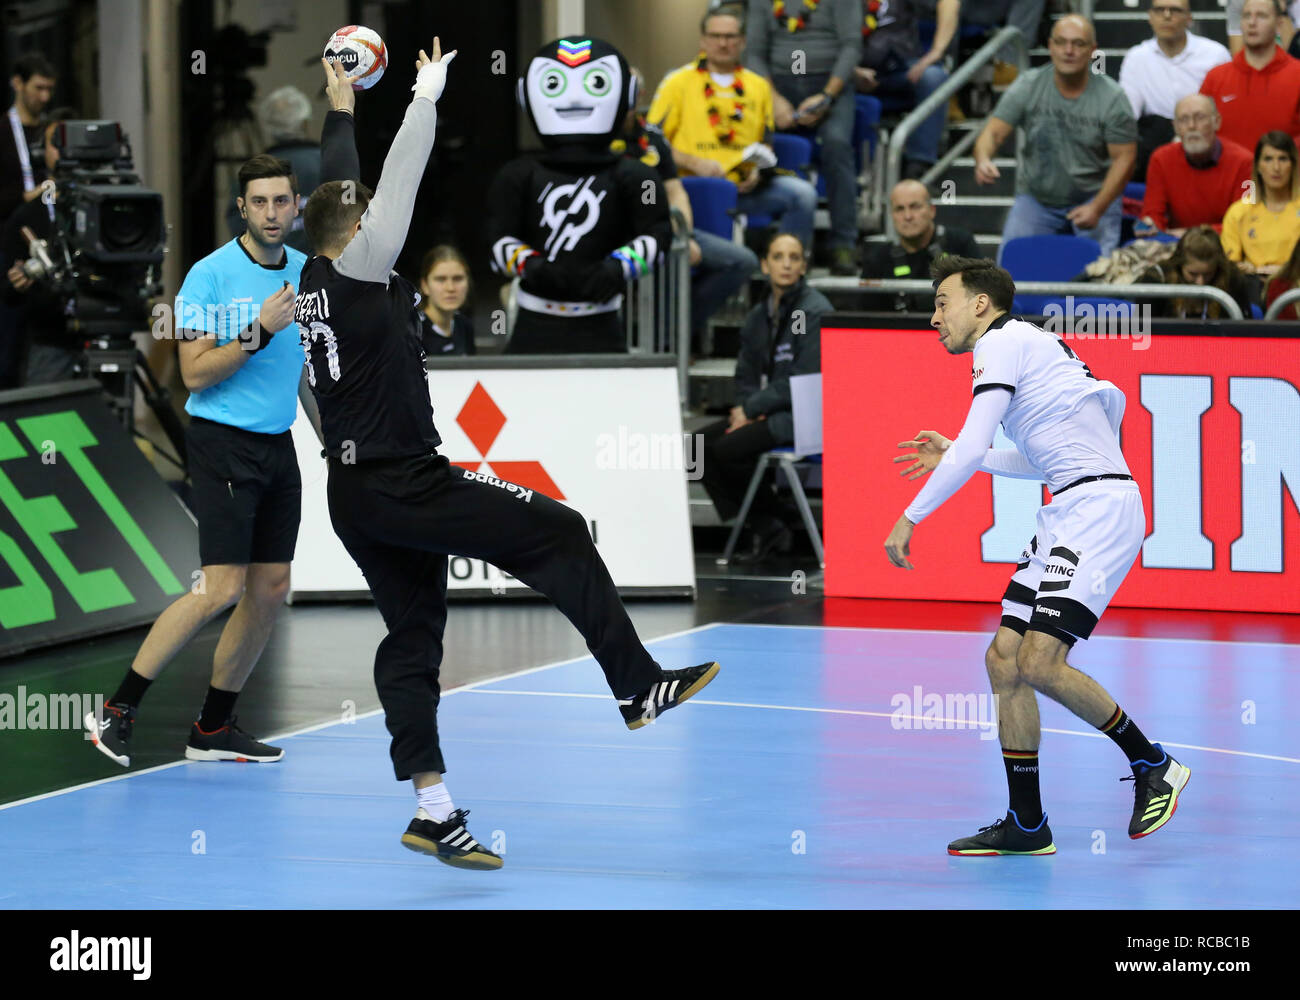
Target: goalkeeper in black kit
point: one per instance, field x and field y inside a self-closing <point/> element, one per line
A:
<point x="398" y="506"/>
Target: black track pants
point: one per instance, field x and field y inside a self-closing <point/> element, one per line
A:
<point x="401" y="519"/>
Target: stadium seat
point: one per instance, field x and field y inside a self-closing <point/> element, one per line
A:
<point x="787" y="460"/>
<point x="806" y="411"/>
<point x="713" y="204"/>
<point x="1046" y="258"/>
<point x="793" y="152"/>
<point x="1158" y="236"/>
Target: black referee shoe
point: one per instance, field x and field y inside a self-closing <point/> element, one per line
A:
<point x="672" y="688"/>
<point x="229" y="743"/>
<point x="112" y="731"/>
<point x="1005" y="837"/>
<point x="1155" y="793"/>
<point x="449" y="842"/>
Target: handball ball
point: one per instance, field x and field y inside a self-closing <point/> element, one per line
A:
<point x="362" y="53"/>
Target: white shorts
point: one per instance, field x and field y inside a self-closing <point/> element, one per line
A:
<point x="1084" y="546"/>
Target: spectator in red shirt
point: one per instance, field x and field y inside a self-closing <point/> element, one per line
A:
<point x="1191" y="182"/>
<point x="1285" y="280"/>
<point x="1258" y="91"/>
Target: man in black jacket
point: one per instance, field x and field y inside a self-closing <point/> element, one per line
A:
<point x="919" y="244"/>
<point x="781" y="337"/>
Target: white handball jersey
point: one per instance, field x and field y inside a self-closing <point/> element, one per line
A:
<point x="1062" y="419"/>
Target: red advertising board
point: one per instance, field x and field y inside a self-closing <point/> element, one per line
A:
<point x="1211" y="434"/>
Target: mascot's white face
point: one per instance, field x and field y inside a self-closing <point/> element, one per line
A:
<point x="575" y="100"/>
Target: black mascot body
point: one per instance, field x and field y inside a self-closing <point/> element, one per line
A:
<point x="579" y="221"/>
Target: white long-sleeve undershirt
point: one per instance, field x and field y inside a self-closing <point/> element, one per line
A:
<point x="1010" y="463"/>
<point x="965" y="456"/>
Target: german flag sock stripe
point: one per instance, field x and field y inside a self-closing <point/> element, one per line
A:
<point x="1022" y="785"/>
<point x="1128" y="737"/>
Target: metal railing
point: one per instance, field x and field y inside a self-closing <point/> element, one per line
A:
<point x="912" y="121"/>
<point x="1281" y="302"/>
<point x="1083" y="289"/>
<point x="657" y="309"/>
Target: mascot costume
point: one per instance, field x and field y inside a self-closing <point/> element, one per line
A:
<point x="579" y="222"/>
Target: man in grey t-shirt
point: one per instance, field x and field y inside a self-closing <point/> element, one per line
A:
<point x="1080" y="143"/>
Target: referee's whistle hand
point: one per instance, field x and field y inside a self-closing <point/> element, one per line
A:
<point x="898" y="544"/>
<point x="277" y="310"/>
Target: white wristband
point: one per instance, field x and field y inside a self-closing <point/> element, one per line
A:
<point x="432" y="78"/>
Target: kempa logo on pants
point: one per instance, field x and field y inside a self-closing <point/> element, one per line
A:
<point x="102" y="954"/>
<point x="525" y="495"/>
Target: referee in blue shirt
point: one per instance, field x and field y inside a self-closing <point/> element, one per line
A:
<point x="242" y="362"/>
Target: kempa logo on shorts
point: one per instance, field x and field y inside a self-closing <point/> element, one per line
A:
<point x="525" y="495"/>
<point x="1052" y="612"/>
<point x="102" y="954"/>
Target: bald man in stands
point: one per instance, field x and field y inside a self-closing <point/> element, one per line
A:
<point x="919" y="242"/>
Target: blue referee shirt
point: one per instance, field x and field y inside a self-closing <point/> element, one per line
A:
<point x="222" y="294"/>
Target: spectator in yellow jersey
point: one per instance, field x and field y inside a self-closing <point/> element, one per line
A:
<point x="717" y="116"/>
<point x="1261" y="228"/>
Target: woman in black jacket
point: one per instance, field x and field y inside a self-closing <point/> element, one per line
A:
<point x="444" y="287"/>
<point x="781" y="337"/>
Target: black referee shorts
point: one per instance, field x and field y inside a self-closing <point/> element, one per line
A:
<point x="246" y="492"/>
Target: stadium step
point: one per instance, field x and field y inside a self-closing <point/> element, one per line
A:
<point x="962" y="174"/>
<point x="975" y="213"/>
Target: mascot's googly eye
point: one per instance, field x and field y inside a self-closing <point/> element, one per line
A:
<point x="553" y="83"/>
<point x="597" y="81"/>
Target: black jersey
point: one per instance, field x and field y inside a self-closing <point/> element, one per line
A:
<point x="365" y="364"/>
<point x="460" y="341"/>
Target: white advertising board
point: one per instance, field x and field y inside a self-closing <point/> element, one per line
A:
<point x="607" y="442"/>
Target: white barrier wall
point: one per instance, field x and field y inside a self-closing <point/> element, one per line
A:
<point x="607" y="442"/>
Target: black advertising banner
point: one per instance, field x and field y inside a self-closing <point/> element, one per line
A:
<point x="91" y="538"/>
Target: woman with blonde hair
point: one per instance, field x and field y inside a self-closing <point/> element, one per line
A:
<point x="1260" y="228"/>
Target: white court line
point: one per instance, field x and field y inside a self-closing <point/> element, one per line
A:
<point x="965" y="723"/>
<point x="952" y="631"/>
<point x="325" y="725"/>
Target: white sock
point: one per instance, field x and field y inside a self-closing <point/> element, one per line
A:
<point x="435" y="802"/>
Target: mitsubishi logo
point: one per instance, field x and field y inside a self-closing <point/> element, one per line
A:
<point x="481" y="420"/>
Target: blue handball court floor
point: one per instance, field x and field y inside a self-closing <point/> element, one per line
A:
<point x="823" y="768"/>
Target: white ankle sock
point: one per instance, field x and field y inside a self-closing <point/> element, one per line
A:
<point x="435" y="801"/>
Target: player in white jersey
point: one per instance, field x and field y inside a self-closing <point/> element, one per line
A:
<point x="1065" y="425"/>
